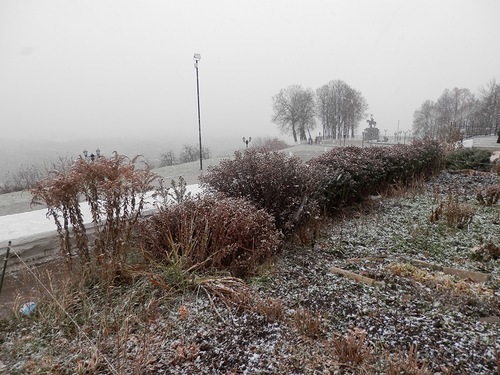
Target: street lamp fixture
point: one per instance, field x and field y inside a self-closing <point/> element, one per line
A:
<point x="197" y="58"/>
<point x="247" y="141"/>
<point x="92" y="156"/>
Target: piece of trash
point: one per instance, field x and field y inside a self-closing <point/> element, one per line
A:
<point x="27" y="308"/>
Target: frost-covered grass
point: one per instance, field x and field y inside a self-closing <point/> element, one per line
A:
<point x="294" y="315"/>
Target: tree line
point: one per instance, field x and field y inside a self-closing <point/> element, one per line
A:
<point x="338" y="107"/>
<point x="459" y="113"/>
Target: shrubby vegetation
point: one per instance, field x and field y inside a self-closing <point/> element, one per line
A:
<point x="469" y="158"/>
<point x="351" y="174"/>
<point x="115" y="191"/>
<point x="251" y="205"/>
<point x="225" y="234"/>
<point x="24" y="178"/>
<point x="268" y="143"/>
<point x="271" y="180"/>
<point x="188" y="154"/>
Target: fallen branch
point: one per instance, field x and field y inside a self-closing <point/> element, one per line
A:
<point x="355" y="276"/>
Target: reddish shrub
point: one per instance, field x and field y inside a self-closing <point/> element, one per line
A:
<point x="271" y="180"/>
<point x="115" y="191"/>
<point x="212" y="232"/>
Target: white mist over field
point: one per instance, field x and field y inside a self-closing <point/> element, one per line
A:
<point x="119" y="74"/>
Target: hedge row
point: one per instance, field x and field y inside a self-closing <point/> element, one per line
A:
<point x="260" y="197"/>
<point x="351" y="174"/>
<point x="292" y="190"/>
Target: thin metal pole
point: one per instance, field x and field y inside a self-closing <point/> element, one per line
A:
<point x="199" y="118"/>
<point x="5" y="265"/>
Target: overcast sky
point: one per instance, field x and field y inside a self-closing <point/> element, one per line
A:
<point x="70" y="69"/>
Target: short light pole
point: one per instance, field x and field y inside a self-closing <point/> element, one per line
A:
<point x="197" y="58"/>
<point x="92" y="155"/>
<point x="247" y="141"/>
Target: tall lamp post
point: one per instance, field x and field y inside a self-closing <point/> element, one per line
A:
<point x="197" y="58"/>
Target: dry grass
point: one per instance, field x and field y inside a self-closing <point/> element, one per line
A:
<point x="458" y="215"/>
<point x="308" y="323"/>
<point x="407" y="364"/>
<point x="271" y="308"/>
<point x="490" y="195"/>
<point x="353" y="349"/>
<point x="440" y="281"/>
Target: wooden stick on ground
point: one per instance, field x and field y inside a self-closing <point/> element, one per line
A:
<point x="355" y="276"/>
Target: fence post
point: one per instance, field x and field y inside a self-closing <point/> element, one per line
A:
<point x="5" y="265"/>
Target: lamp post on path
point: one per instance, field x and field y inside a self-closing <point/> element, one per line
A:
<point x="197" y="58"/>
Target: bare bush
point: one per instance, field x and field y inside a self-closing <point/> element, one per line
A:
<point x="22" y="179"/>
<point x="221" y="233"/>
<point x="458" y="215"/>
<point x="268" y="143"/>
<point x="489" y="196"/>
<point x="116" y="194"/>
<point x="282" y="185"/>
<point x="307" y="322"/>
<point x="486" y="252"/>
<point x="271" y="308"/>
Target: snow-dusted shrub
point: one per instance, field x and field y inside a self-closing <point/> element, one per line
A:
<point x="211" y="233"/>
<point x="271" y="180"/>
<point x="428" y="157"/>
<point x="350" y="174"/>
<point x="469" y="158"/>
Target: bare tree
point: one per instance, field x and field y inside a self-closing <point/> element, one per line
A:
<point x="294" y="110"/>
<point x="490" y="107"/>
<point x="357" y="109"/>
<point x="340" y="109"/>
<point x="458" y="111"/>
<point x="455" y="111"/>
<point x="192" y="153"/>
<point x="424" y="120"/>
<point x="322" y="102"/>
<point x="205" y="152"/>
<point x="189" y="153"/>
<point x="167" y="158"/>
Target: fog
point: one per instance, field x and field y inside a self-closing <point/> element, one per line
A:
<point x="86" y="73"/>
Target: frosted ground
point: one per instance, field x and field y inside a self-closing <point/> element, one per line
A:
<point x="452" y="322"/>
